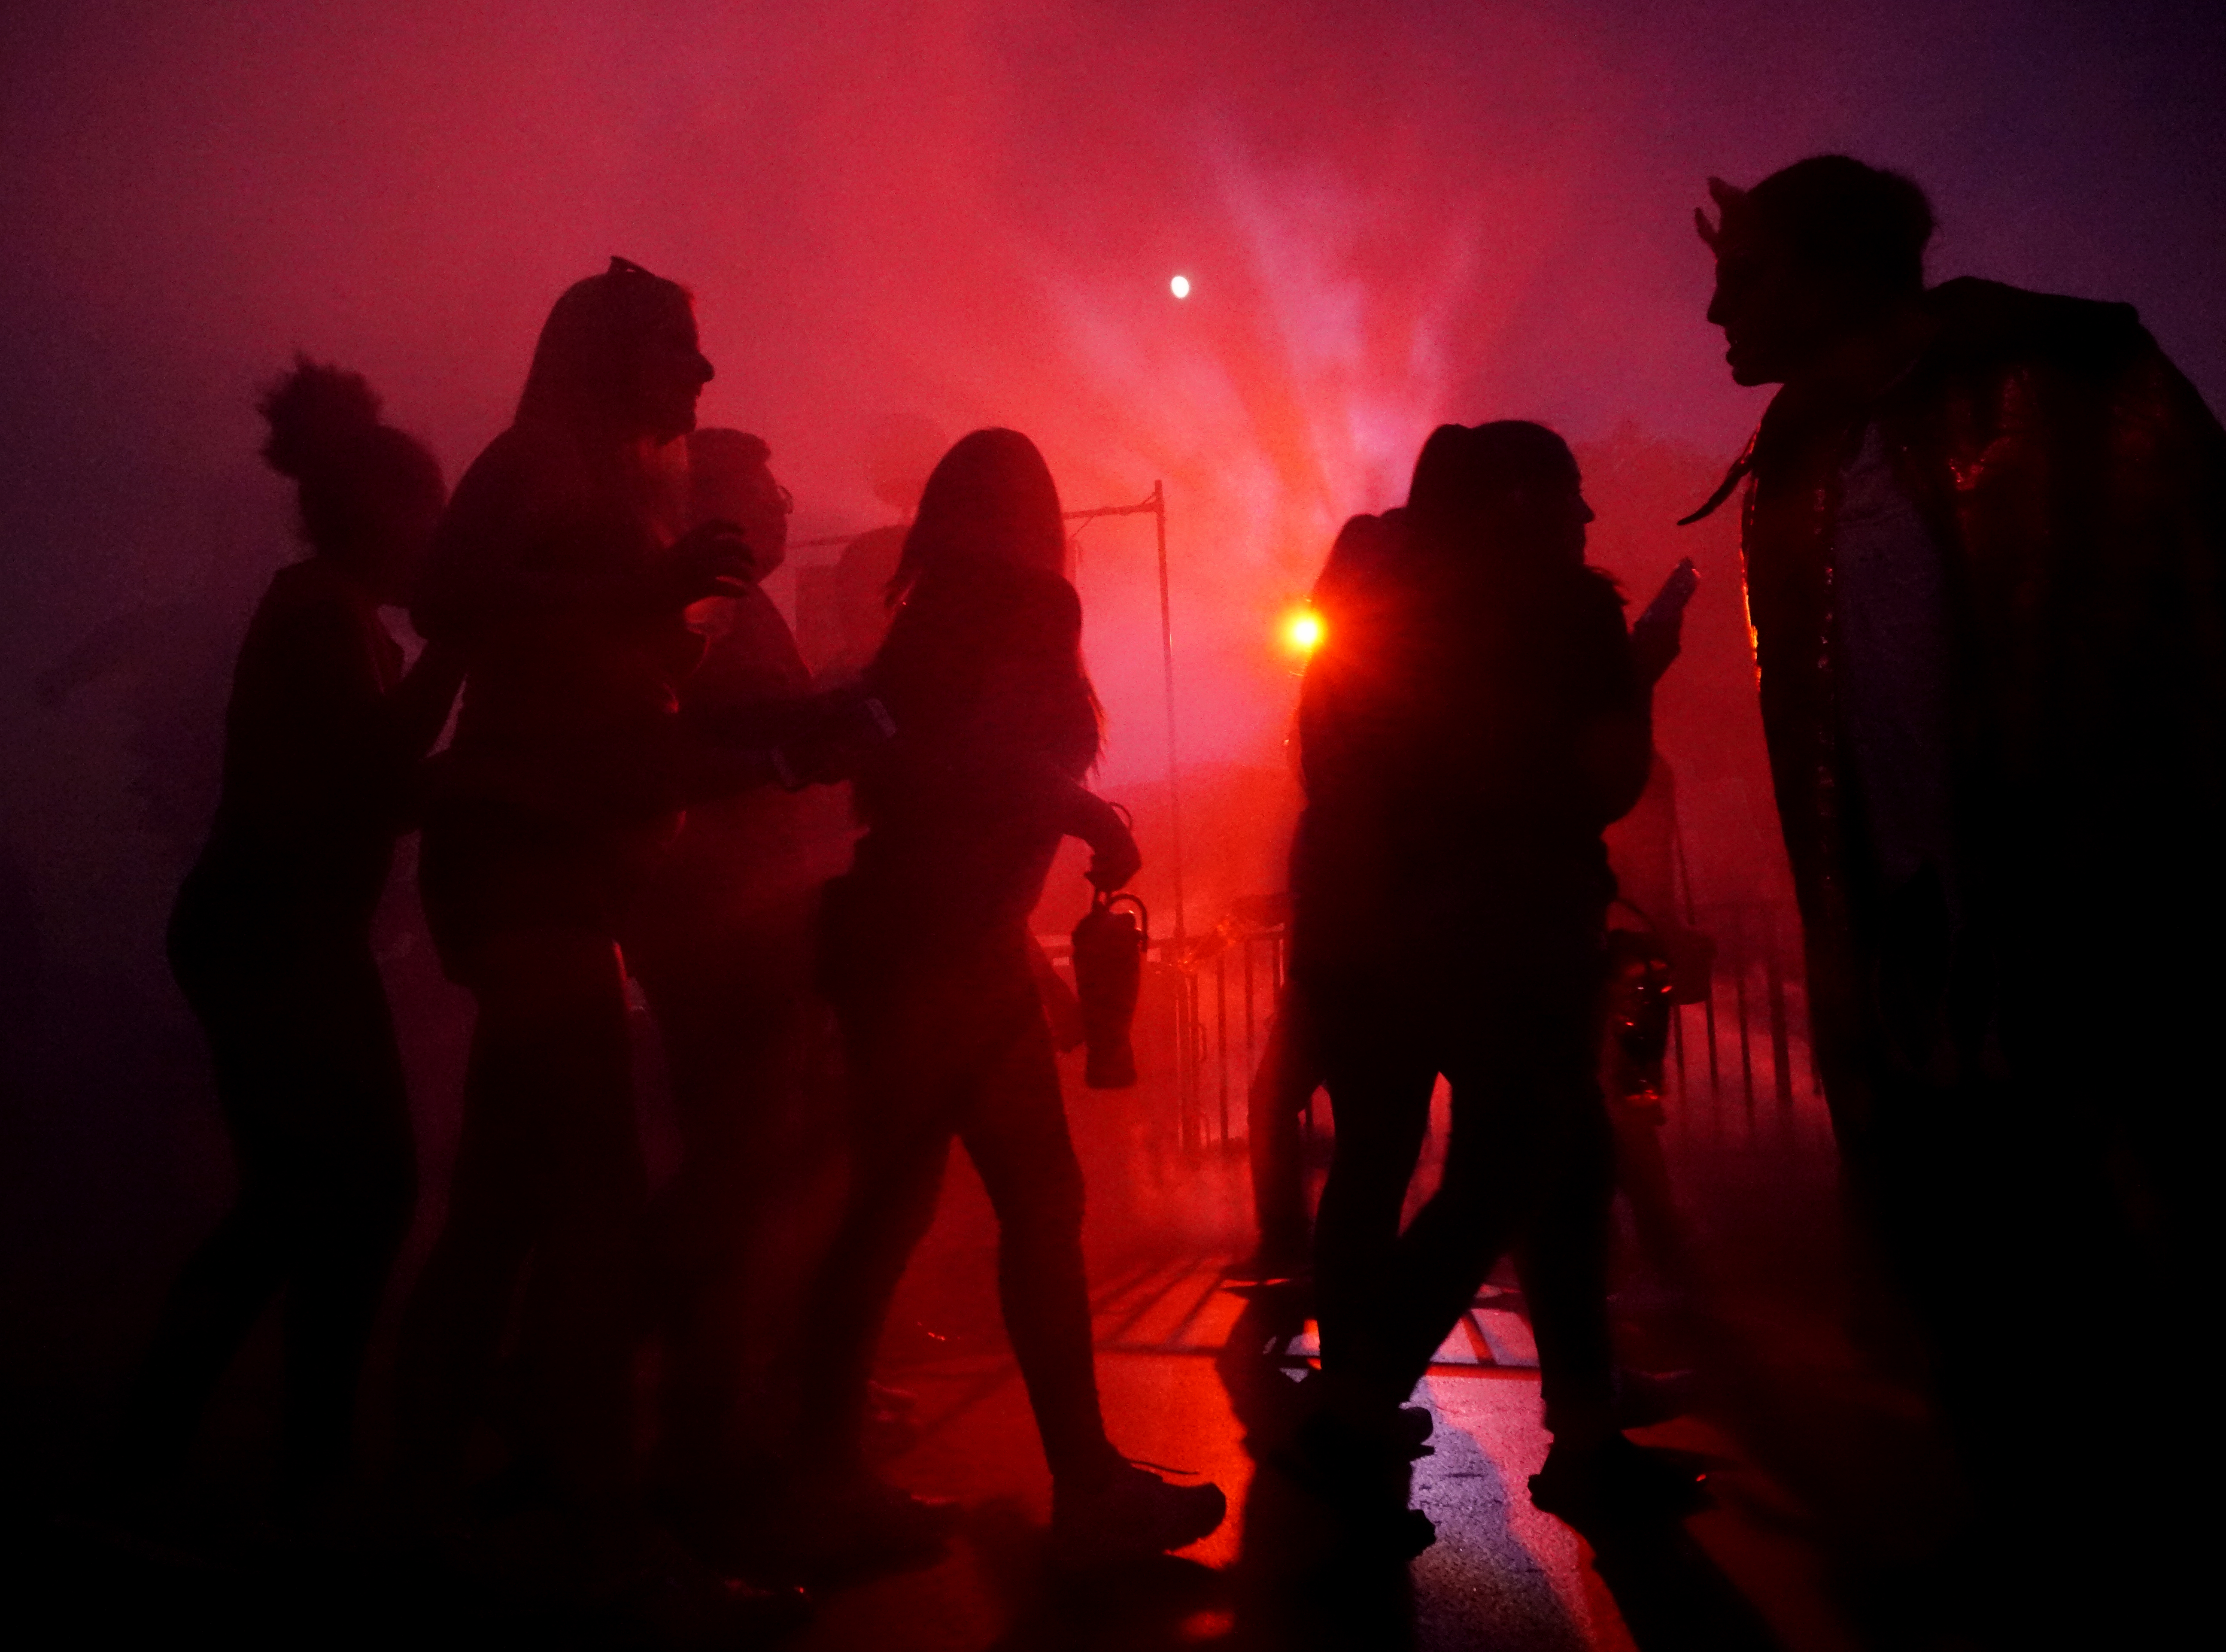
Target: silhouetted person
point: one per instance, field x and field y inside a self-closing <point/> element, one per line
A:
<point x="1284" y="1083"/>
<point x="1986" y="554"/>
<point x="842" y="610"/>
<point x="1645" y="943"/>
<point x="724" y="943"/>
<point x="270" y="940"/>
<point x="565" y="594"/>
<point x="927" y="959"/>
<point x="1471" y="722"/>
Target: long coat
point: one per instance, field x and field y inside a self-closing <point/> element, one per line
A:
<point x="2076" y="483"/>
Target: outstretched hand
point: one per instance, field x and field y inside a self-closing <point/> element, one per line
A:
<point x="706" y="556"/>
<point x="1658" y="633"/>
<point x="1115" y="858"/>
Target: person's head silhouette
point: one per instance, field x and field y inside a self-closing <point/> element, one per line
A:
<point x="1507" y="492"/>
<point x="990" y="500"/>
<point x="618" y="357"/>
<point x="730" y="479"/>
<point x="1815" y="252"/>
<point x="370" y="495"/>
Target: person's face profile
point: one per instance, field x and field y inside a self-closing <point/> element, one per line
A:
<point x="753" y="502"/>
<point x="1778" y="313"/>
<point x="1575" y="516"/>
<point x="673" y="372"/>
<point x="763" y="514"/>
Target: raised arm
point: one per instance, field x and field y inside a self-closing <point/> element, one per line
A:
<point x="1615" y="735"/>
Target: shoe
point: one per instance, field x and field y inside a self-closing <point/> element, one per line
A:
<point x="1264" y="1269"/>
<point x="668" y="1598"/>
<point x="892" y="1424"/>
<point x="1364" y="1468"/>
<point x="1135" y="1516"/>
<point x="1332" y="1442"/>
<point x="842" y="1525"/>
<point x="1393" y="1534"/>
<point x="1644" y="1398"/>
<point x="898" y="1402"/>
<point x="1617" y="1484"/>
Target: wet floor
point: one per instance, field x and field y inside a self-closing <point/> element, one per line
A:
<point x="1184" y="1361"/>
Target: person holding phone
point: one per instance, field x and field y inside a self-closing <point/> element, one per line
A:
<point x="555" y="577"/>
<point x="1473" y="720"/>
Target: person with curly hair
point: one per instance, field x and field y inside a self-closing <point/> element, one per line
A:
<point x="270" y="940"/>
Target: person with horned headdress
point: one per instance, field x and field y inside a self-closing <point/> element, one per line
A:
<point x="270" y="940"/>
<point x="1984" y="537"/>
<point x="555" y="577"/>
<point x="927" y="957"/>
<point x="1471" y="722"/>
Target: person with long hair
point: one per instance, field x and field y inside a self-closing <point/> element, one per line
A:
<point x="927" y="958"/>
<point x="1471" y="723"/>
<point x="554" y="575"/>
<point x="270" y="940"/>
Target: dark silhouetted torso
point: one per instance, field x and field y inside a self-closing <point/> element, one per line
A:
<point x="964" y="808"/>
<point x="314" y="766"/>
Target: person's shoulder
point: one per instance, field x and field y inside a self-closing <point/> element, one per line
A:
<point x="1051" y="593"/>
<point x="1032" y="594"/>
<point x="1364" y="547"/>
<point x="1365" y="538"/>
<point x="310" y="590"/>
<point x="524" y="456"/>
<point x="757" y="631"/>
<point x="309" y="612"/>
<point x="1992" y="323"/>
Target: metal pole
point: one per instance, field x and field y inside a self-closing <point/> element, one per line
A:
<point x="1781" y="1059"/>
<point x="1221" y="1034"/>
<point x="1158" y="503"/>
<point x="1738" y="986"/>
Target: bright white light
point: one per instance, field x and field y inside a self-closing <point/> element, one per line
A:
<point x="1302" y="631"/>
<point x="1179" y="286"/>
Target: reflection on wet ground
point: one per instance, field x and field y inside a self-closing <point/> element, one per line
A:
<point x="1192" y="1370"/>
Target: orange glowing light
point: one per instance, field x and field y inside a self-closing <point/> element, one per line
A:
<point x="1302" y="631"/>
<point x="1179" y="286"/>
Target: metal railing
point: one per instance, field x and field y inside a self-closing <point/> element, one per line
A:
<point x="1741" y="1051"/>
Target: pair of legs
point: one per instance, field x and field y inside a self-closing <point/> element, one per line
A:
<point x="742" y="1034"/>
<point x="310" y="1084"/>
<point x="941" y="1046"/>
<point x="1529" y="1167"/>
<point x="545" y="1221"/>
<point x="2019" y="1151"/>
<point x="1290" y="1072"/>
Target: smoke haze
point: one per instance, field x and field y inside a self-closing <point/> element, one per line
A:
<point x="970" y="212"/>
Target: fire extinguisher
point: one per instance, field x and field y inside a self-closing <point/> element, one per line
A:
<point x="1110" y="944"/>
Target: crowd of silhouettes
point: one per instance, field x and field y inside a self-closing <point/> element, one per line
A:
<point x="1983" y="541"/>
